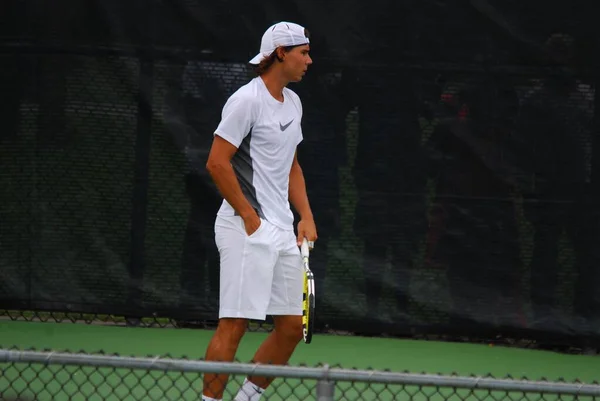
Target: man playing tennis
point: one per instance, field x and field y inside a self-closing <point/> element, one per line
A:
<point x="254" y="165"/>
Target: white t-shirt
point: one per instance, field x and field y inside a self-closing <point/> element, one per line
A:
<point x="266" y="133"/>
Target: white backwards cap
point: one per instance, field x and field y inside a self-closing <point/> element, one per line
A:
<point x="280" y="34"/>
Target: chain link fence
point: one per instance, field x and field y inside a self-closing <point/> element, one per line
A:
<point x="34" y="375"/>
<point x="121" y="320"/>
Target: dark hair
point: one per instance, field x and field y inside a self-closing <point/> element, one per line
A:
<point x="265" y="64"/>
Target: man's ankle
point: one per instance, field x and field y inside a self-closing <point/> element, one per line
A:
<point x="206" y="398"/>
<point x="249" y="392"/>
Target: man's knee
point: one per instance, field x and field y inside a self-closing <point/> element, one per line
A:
<point x="289" y="327"/>
<point x="232" y="330"/>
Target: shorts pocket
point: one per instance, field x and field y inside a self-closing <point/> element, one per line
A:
<point x="257" y="232"/>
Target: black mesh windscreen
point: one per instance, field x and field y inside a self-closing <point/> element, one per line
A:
<point x="448" y="154"/>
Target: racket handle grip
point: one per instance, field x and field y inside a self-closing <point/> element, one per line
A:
<point x="304" y="248"/>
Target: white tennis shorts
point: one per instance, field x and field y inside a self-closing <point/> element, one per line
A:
<point x="261" y="274"/>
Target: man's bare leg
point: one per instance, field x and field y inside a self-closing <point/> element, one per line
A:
<point x="222" y="348"/>
<point x="279" y="346"/>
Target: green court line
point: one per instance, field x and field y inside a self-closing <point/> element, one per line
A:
<point x="347" y="351"/>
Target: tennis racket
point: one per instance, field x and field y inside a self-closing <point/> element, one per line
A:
<point x="308" y="298"/>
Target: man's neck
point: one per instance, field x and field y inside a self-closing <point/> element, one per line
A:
<point x="274" y="83"/>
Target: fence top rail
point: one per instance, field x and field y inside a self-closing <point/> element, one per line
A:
<point x="298" y="372"/>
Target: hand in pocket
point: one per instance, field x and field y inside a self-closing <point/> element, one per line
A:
<point x="252" y="223"/>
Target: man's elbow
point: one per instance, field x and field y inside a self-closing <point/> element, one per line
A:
<point x="214" y="166"/>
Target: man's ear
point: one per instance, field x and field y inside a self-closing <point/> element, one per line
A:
<point x="279" y="53"/>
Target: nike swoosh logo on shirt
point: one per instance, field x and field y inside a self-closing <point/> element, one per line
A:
<point x="284" y="127"/>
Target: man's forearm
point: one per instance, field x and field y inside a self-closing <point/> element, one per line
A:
<point x="224" y="178"/>
<point x="297" y="193"/>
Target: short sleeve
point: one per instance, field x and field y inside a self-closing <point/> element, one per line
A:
<point x="300" y="135"/>
<point x="238" y="116"/>
<point x="300" y="112"/>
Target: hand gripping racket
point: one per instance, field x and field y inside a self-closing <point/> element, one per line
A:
<point x="308" y="298"/>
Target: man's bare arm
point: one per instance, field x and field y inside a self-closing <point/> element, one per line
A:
<point x="221" y="171"/>
<point x="299" y="199"/>
<point x="297" y="191"/>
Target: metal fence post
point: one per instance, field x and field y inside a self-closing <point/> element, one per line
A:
<point x="325" y="387"/>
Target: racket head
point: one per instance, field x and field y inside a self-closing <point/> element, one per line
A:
<point x="308" y="297"/>
<point x="308" y="306"/>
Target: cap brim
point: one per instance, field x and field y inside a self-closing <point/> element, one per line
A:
<point x="259" y="57"/>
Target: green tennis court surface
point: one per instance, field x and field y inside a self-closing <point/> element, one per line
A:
<point x="345" y="351"/>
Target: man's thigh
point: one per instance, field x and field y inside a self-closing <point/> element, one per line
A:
<point x="288" y="276"/>
<point x="247" y="268"/>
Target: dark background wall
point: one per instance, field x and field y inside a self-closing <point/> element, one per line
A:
<point x="449" y="157"/>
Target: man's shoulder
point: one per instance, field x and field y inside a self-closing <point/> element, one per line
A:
<point x="290" y="94"/>
<point x="246" y="94"/>
<point x="247" y="91"/>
